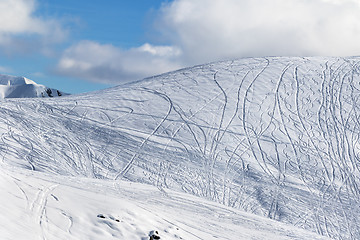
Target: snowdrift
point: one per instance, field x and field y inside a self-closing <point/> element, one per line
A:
<point x="274" y="137"/>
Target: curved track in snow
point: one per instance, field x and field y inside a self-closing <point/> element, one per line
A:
<point x="278" y="137"/>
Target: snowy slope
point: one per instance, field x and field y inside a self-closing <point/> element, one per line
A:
<point x="21" y="87"/>
<point x="273" y="137"/>
<point x="36" y="206"/>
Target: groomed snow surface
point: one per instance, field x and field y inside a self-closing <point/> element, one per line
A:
<point x="260" y="148"/>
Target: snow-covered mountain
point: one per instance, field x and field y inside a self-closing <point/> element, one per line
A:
<point x="232" y="143"/>
<point x="21" y="87"/>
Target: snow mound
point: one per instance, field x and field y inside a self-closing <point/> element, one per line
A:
<point x="22" y="87"/>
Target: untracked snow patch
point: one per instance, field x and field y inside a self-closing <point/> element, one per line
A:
<point x="41" y="206"/>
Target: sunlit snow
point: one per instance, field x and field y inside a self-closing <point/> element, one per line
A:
<point x="259" y="148"/>
<point x="21" y="87"/>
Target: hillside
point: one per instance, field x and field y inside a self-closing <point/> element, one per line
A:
<point x="273" y="137"/>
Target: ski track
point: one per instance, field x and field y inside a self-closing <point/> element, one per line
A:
<point x="277" y="137"/>
<point x="38" y="209"/>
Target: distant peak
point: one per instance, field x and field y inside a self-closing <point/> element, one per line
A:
<point x="14" y="80"/>
<point x="22" y="87"/>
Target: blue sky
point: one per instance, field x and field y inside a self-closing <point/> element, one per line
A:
<point x="79" y="46"/>
<point x="120" y="23"/>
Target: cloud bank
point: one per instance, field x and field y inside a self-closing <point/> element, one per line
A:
<point x="22" y="31"/>
<point x="108" y="64"/>
<point x="221" y="29"/>
<point x="199" y="31"/>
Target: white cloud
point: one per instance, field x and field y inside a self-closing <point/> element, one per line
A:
<point x="108" y="64"/>
<point x="15" y="16"/>
<point x="199" y="31"/>
<point x="218" y="29"/>
<point x="21" y="29"/>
